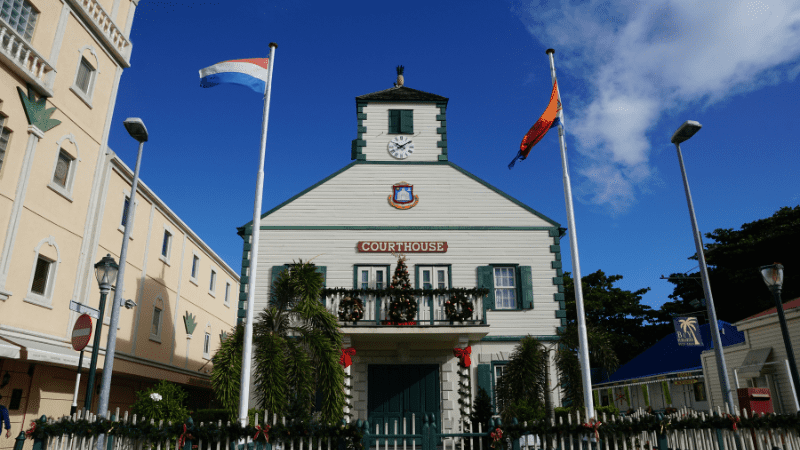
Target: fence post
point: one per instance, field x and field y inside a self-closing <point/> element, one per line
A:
<point x="432" y="444"/>
<point x="20" y="441"/>
<point x="40" y="443"/>
<point x="187" y="444"/>
<point x="515" y="442"/>
<point x="661" y="436"/>
<point x="109" y="437"/>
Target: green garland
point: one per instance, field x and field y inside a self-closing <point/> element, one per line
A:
<point x="389" y="292"/>
<point x="211" y="432"/>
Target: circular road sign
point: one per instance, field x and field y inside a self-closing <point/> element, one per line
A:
<point x="81" y="332"/>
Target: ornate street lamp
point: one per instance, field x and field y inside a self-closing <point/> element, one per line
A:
<point x="106" y="272"/>
<point x="773" y="277"/>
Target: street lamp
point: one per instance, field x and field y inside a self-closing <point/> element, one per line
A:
<point x="138" y="131"/>
<point x="106" y="272"/>
<point x="773" y="277"/>
<point x="686" y="131"/>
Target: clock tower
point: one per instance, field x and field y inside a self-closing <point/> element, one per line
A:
<point x="401" y="124"/>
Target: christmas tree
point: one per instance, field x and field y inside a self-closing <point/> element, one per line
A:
<point x="403" y="307"/>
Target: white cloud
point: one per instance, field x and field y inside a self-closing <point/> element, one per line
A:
<point x="641" y="59"/>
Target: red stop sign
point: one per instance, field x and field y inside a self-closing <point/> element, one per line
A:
<point x="81" y="332"/>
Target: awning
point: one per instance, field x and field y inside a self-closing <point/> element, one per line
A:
<point x="754" y="362"/>
<point x="32" y="350"/>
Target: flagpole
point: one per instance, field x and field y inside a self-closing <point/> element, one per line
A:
<point x="583" y="351"/>
<point x="247" y="352"/>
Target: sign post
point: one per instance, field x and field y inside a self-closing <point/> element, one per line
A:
<point x="81" y="333"/>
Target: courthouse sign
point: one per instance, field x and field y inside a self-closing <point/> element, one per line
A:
<point x="404" y="247"/>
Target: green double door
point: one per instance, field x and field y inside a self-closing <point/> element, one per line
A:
<point x="398" y="391"/>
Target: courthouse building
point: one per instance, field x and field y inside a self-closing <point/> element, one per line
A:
<point x="401" y="194"/>
<point x="62" y="193"/>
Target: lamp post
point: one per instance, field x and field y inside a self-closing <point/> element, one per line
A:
<point x="106" y="273"/>
<point x="137" y="130"/>
<point x="687" y="130"/>
<point x="773" y="277"/>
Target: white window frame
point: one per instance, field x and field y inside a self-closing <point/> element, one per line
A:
<point x="66" y="190"/>
<point x="5" y="138"/>
<point x="161" y="256"/>
<point x="126" y="194"/>
<point x="212" y="285"/>
<point x="227" y="294"/>
<point x="89" y="93"/>
<point x="514" y="288"/>
<point x="158" y="303"/>
<point x="495" y="379"/>
<point x="45" y="300"/>
<point x="207" y="342"/>
<point x="194" y="270"/>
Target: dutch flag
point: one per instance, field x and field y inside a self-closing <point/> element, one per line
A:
<point x="252" y="73"/>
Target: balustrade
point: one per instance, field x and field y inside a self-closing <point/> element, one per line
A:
<point x="430" y="311"/>
<point x="22" y="56"/>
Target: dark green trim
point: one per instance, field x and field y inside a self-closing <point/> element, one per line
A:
<point x="555" y="264"/>
<point x="468" y="174"/>
<point x="561" y="314"/>
<point x="404" y="162"/>
<point x="241" y="312"/>
<point x="558" y="297"/>
<point x="449" y="273"/>
<point x="550" y="337"/>
<point x="400" y="227"/>
<point x="361" y="116"/>
<point x="442" y="157"/>
<point x="441" y="144"/>
<point x="555" y="249"/>
<point x="441" y="117"/>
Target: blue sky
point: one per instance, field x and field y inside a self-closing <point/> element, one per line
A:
<point x="630" y="73"/>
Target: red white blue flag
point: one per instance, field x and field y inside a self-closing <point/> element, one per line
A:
<point x="252" y="73"/>
<point x="549" y="119"/>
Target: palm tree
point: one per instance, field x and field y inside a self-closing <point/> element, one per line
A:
<point x="601" y="354"/>
<point x="521" y="391"/>
<point x="226" y="372"/>
<point x="297" y="349"/>
<point x="689" y="325"/>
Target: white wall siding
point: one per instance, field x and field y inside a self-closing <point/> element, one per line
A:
<point x="359" y="196"/>
<point x="336" y="249"/>
<point x="424" y="138"/>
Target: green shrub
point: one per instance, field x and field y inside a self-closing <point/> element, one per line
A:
<point x="164" y="401"/>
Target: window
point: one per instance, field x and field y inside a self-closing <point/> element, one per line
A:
<point x="207" y="345"/>
<point x="166" y="244"/>
<point x="158" y="318"/>
<point x="195" y="263"/>
<point x="213" y="284"/>
<point x="5" y="135"/>
<point x="505" y="288"/>
<point x="62" y="169"/>
<point x="699" y="391"/>
<point x="20" y="15"/>
<point x="16" y="399"/>
<point x="499" y="370"/>
<point x="125" y="211"/>
<point x="401" y="121"/>
<point x="227" y="293"/>
<point x="40" y="276"/>
<point x="85" y="76"/>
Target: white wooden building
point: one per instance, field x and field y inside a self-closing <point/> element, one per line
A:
<point x="456" y="231"/>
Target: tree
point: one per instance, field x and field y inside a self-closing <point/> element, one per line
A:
<point x="522" y="388"/>
<point x="733" y="258"/>
<point x="602" y="354"/>
<point x="403" y="307"/>
<point x="164" y="401"/>
<point x="226" y="372"/>
<point x="297" y="348"/>
<point x="615" y="310"/>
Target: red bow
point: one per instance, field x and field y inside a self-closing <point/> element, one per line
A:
<point x="594" y="425"/>
<point x="496" y="435"/>
<point x="463" y="355"/>
<point x="347" y="354"/>
<point x="185" y="435"/>
<point x="734" y="420"/>
<point x="263" y="431"/>
<point x="29" y="433"/>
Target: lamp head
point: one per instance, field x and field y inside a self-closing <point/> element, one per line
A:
<point x="136" y="128"/>
<point x="687" y="130"/>
<point x="106" y="271"/>
<point x="772" y="275"/>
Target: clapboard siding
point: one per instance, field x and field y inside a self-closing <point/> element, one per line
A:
<point x="424" y="138"/>
<point x="359" y="196"/>
<point x="336" y="250"/>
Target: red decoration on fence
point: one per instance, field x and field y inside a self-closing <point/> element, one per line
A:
<point x="496" y="435"/>
<point x="734" y="420"/>
<point x="463" y="355"/>
<point x="346" y="358"/>
<point x="185" y="435"/>
<point x="263" y="431"/>
<point x="29" y="433"/>
<point x="594" y="424"/>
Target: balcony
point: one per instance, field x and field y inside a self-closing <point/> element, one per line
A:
<point x="101" y="22"/>
<point x="24" y="60"/>
<point x="430" y="322"/>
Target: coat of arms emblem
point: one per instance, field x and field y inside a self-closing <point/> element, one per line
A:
<point x="403" y="196"/>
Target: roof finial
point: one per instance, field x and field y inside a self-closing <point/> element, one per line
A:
<point x="400" y="79"/>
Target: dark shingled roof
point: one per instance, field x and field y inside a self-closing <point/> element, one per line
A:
<point x="403" y="93"/>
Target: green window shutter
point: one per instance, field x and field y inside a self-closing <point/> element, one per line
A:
<point x="486" y="280"/>
<point x="276" y="270"/>
<point x="394" y="121"/>
<point x="324" y="271"/>
<point x="526" y="285"/>
<point x="485" y="378"/>
<point x="406" y="121"/>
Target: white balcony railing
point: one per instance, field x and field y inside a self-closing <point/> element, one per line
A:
<point x="430" y="311"/>
<point x="23" y="59"/>
<point x="102" y="22"/>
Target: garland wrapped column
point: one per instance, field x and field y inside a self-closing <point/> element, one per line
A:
<point x="464" y="385"/>
<point x="346" y="360"/>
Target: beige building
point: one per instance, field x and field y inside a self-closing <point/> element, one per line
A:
<point x="62" y="193"/>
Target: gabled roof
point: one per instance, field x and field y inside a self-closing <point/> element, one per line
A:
<point x="791" y="304"/>
<point x="402" y="93"/>
<point x="666" y="356"/>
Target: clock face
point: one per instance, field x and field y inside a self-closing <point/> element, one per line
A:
<point x="400" y="147"/>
